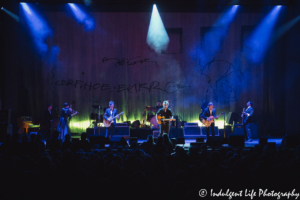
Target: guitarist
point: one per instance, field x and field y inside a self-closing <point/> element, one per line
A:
<point x="247" y="119"/>
<point x="111" y="112"/>
<point x="207" y="113"/>
<point x="167" y="113"/>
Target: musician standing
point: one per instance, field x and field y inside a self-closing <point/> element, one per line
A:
<point x="208" y="112"/>
<point x="247" y="121"/>
<point x="48" y="117"/>
<point x="111" y="112"/>
<point x="167" y="113"/>
<point x="63" y="125"/>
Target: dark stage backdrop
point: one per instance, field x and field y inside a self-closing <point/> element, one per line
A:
<point x="114" y="63"/>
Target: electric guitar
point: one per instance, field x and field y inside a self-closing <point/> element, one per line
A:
<point x="108" y="122"/>
<point x="210" y="120"/>
<point x="160" y="118"/>
<point x="243" y="116"/>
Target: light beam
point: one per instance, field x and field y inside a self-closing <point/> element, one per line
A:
<point x="157" y="37"/>
<point x="258" y="42"/>
<point x="82" y="17"/>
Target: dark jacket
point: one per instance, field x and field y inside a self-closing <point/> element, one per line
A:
<point x="247" y="118"/>
<point x="107" y="114"/>
<point x="206" y="113"/>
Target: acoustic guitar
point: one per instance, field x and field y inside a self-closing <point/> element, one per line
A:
<point x="210" y="120"/>
<point x="108" y="122"/>
<point x="161" y="119"/>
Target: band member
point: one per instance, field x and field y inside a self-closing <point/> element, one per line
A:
<point x="63" y="125"/>
<point x="167" y="113"/>
<point x="210" y="111"/>
<point x="247" y="114"/>
<point x="48" y="117"/>
<point x="111" y="112"/>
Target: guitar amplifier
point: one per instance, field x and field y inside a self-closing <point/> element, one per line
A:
<point x="101" y="131"/>
<point x="203" y="131"/>
<point x="191" y="130"/>
<point x="123" y="131"/>
<point x="122" y="125"/>
<point x="238" y="129"/>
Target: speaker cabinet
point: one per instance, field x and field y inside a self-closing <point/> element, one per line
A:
<point x="191" y="131"/>
<point x="203" y="131"/>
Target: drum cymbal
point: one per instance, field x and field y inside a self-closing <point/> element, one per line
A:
<point x="149" y="108"/>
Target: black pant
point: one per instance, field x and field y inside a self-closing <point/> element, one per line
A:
<point x="164" y="127"/>
<point x="212" y="130"/>
<point x="110" y="131"/>
<point x="247" y="131"/>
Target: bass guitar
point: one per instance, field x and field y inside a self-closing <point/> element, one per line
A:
<point x="108" y="122"/>
<point x="210" y="120"/>
<point x="161" y="119"/>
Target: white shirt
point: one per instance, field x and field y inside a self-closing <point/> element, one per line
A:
<point x="247" y="109"/>
<point x="210" y="111"/>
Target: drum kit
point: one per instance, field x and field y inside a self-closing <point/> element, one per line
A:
<point x="149" y="116"/>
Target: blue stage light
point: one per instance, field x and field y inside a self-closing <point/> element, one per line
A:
<point x="157" y="37"/>
<point x="216" y="35"/>
<point x="258" y="42"/>
<point x="38" y="27"/>
<point x="82" y="17"/>
<point x="13" y="15"/>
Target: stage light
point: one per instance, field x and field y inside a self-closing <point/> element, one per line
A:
<point x="82" y="17"/>
<point x="283" y="29"/>
<point x="14" y="16"/>
<point x="216" y="35"/>
<point x="157" y="37"/>
<point x="87" y="2"/>
<point x="258" y="42"/>
<point x="39" y="29"/>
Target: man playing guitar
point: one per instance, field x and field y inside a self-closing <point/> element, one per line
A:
<point x="163" y="117"/>
<point x="111" y="112"/>
<point x="247" y="119"/>
<point x="209" y="114"/>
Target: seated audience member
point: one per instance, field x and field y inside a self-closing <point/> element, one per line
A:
<point x="168" y="144"/>
<point x="68" y="144"/>
<point x="54" y="143"/>
<point x="40" y="143"/>
<point x="83" y="144"/>
<point x="159" y="148"/>
<point x="33" y="146"/>
<point x="148" y="145"/>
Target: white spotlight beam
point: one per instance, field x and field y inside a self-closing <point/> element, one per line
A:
<point x="157" y="37"/>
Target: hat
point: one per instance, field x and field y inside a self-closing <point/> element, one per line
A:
<point x="66" y="104"/>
